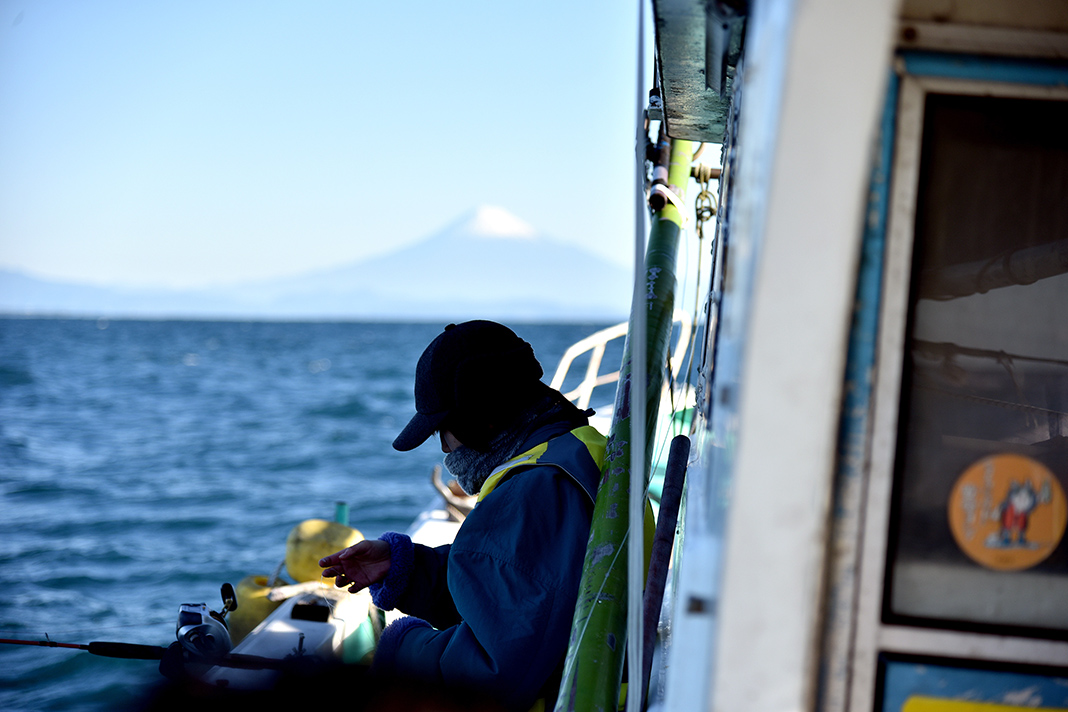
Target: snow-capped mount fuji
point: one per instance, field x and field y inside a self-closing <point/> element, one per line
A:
<point x="492" y="221"/>
<point x="488" y="263"/>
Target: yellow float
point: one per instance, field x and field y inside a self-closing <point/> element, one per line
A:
<point x="310" y="541"/>
<point x="252" y="607"/>
<point x="307" y="542"/>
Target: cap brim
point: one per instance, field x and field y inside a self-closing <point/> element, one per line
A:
<point x="418" y="429"/>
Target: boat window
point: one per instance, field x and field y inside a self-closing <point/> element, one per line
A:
<point x="978" y="530"/>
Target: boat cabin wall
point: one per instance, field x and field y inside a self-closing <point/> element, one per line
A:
<point x="811" y="82"/>
<point x="799" y="445"/>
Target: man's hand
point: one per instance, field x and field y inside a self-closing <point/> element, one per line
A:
<point x="358" y="566"/>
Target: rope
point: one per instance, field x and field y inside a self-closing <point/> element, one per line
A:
<point x="273" y="580"/>
<point x="1009" y="405"/>
<point x="943" y="348"/>
<point x="704" y="210"/>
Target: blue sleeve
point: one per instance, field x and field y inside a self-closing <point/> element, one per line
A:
<point x="514" y="571"/>
<point x="417" y="582"/>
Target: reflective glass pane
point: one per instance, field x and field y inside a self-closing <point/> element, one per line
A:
<point x="982" y="466"/>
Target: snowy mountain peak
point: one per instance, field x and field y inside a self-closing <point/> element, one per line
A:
<point x="493" y="221"/>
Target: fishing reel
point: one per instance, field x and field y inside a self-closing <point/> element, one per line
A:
<point x="203" y="632"/>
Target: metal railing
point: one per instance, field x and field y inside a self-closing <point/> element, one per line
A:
<point x="597" y="342"/>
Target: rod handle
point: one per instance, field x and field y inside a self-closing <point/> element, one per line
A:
<point x="130" y="651"/>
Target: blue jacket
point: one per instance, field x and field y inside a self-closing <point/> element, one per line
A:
<point x="493" y="610"/>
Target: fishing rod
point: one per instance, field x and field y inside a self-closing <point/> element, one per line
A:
<point x="202" y="635"/>
<point x="134" y="651"/>
<point x="130" y="651"/>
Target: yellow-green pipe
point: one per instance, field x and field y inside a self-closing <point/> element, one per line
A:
<point x="594" y="665"/>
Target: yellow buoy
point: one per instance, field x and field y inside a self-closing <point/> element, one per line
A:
<point x="252" y="607"/>
<point x="310" y="541"/>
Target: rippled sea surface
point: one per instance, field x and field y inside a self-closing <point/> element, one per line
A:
<point x="144" y="463"/>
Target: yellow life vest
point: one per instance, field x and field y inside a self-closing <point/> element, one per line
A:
<point x="562" y="452"/>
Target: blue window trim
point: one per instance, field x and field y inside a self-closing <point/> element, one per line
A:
<point x="989" y="69"/>
<point x="863" y="334"/>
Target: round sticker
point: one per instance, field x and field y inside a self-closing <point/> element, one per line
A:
<point x="1007" y="512"/>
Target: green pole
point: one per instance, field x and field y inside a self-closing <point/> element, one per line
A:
<point x="341" y="513"/>
<point x="594" y="665"/>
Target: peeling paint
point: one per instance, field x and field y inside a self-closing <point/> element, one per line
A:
<point x="572" y="691"/>
<point x="1028" y="697"/>
<point x="600" y="552"/>
<point x="622" y="406"/>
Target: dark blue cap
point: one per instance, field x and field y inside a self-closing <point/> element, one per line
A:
<point x="473" y="377"/>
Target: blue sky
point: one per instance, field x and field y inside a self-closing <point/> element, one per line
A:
<point x="192" y="143"/>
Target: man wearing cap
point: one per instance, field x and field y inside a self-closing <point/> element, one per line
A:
<point x="493" y="609"/>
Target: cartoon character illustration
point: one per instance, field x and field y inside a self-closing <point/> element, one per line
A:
<point x="1014" y="514"/>
<point x="1007" y="512"/>
<point x="1015" y="511"/>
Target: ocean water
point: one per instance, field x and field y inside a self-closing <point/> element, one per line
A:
<point x="144" y="463"/>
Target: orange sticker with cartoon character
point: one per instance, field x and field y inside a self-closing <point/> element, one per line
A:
<point x="1007" y="512"/>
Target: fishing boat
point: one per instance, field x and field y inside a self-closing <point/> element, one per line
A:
<point x="874" y="510"/>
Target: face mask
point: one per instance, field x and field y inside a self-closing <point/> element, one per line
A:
<point x="470" y="467"/>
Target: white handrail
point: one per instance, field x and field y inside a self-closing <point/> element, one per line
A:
<point x="596" y="343"/>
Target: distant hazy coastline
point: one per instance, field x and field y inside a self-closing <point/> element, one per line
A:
<point x="488" y="264"/>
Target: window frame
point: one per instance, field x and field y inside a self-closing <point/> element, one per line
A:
<point x="920" y="74"/>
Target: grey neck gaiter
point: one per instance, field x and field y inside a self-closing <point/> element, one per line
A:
<point x="472" y="468"/>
